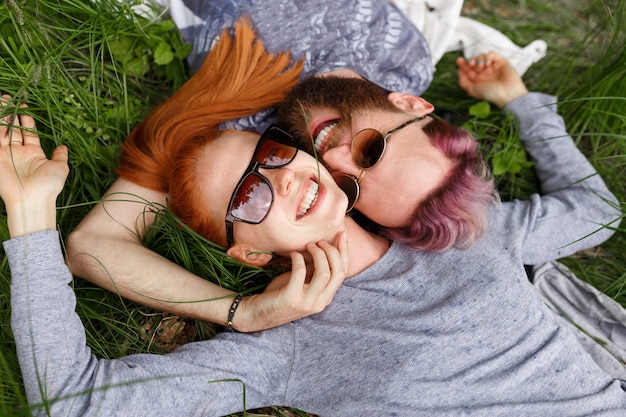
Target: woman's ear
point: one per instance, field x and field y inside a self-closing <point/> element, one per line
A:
<point x="249" y="255"/>
<point x="409" y="103"/>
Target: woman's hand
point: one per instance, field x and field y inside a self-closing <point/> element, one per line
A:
<point x="490" y="77"/>
<point x="305" y="290"/>
<point x="30" y="181"/>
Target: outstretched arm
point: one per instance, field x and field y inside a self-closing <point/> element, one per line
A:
<point x="106" y="249"/>
<point x="575" y="204"/>
<point x="60" y="374"/>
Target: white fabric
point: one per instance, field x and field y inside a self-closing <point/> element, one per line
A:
<point x="436" y="19"/>
<point x="175" y="9"/>
<point x="446" y="30"/>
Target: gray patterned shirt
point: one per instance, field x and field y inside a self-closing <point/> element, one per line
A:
<point x="371" y="37"/>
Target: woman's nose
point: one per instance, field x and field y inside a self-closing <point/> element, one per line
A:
<point x="280" y="178"/>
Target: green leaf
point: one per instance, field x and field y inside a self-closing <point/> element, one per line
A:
<point x="167" y="25"/>
<point x="183" y="50"/>
<point x="120" y="48"/>
<point x="480" y="110"/>
<point x="138" y="66"/>
<point x="498" y="165"/>
<point x="163" y="54"/>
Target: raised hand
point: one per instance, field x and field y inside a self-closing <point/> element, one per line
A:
<point x="30" y="181"/>
<point x="490" y="77"/>
<point x="305" y="290"/>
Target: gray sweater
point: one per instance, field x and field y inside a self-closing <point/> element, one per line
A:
<point x="416" y="334"/>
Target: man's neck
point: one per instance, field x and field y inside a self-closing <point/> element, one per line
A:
<point x="344" y="72"/>
<point x="365" y="248"/>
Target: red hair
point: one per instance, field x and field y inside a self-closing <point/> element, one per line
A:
<point x="238" y="78"/>
<point x="455" y="214"/>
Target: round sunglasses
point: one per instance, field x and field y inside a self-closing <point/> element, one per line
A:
<point x="253" y="196"/>
<point x="367" y="148"/>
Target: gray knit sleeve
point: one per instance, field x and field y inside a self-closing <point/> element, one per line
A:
<point x="575" y="204"/>
<point x="62" y="376"/>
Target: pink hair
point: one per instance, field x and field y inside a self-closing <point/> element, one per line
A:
<point x="456" y="213"/>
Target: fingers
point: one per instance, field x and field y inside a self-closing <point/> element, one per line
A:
<point x="333" y="259"/>
<point x="292" y="295"/>
<point x="6" y="124"/>
<point x="330" y="264"/>
<point x="324" y="256"/>
<point x="298" y="268"/>
<point x="467" y="74"/>
<point x="318" y="285"/>
<point x="60" y="154"/>
<point x="29" y="134"/>
<point x="17" y="129"/>
<point x="485" y="60"/>
<point x="463" y="63"/>
<point x="339" y="258"/>
<point x="471" y="68"/>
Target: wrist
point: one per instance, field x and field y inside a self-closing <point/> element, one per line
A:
<point x="512" y="94"/>
<point x="245" y="318"/>
<point x="237" y="318"/>
<point x="29" y="216"/>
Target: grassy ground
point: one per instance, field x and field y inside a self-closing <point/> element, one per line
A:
<point x="91" y="72"/>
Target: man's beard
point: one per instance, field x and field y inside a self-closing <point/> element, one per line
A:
<point x="347" y="96"/>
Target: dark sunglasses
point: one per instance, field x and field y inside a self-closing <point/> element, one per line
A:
<point x="253" y="196"/>
<point x="349" y="184"/>
<point x="368" y="147"/>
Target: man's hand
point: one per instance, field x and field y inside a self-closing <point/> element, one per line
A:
<point x="490" y="77"/>
<point x="305" y="290"/>
<point x="30" y="181"/>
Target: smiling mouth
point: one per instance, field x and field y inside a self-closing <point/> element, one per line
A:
<point x="309" y="199"/>
<point x="322" y="135"/>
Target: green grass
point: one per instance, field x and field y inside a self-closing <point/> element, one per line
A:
<point x="91" y="71"/>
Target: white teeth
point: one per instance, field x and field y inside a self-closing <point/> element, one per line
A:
<point x="319" y="140"/>
<point x="309" y="198"/>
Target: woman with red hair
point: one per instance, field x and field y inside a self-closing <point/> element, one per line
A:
<point x="106" y="247"/>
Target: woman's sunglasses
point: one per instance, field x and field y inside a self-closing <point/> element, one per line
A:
<point x="253" y="196"/>
<point x="368" y="147"/>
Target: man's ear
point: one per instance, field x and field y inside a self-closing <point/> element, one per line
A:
<point x="249" y="255"/>
<point x="409" y="103"/>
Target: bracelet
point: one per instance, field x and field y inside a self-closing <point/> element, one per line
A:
<point x="231" y="312"/>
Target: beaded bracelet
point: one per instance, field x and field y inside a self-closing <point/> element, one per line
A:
<point x="231" y="312"/>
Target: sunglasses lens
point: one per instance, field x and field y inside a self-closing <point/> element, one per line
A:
<point x="368" y="146"/>
<point x="276" y="148"/>
<point x="350" y="187"/>
<point x="252" y="199"/>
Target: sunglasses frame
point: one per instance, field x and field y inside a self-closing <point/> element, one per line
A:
<point x="356" y="189"/>
<point x="357" y="181"/>
<point x="380" y="137"/>
<point x="253" y="168"/>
